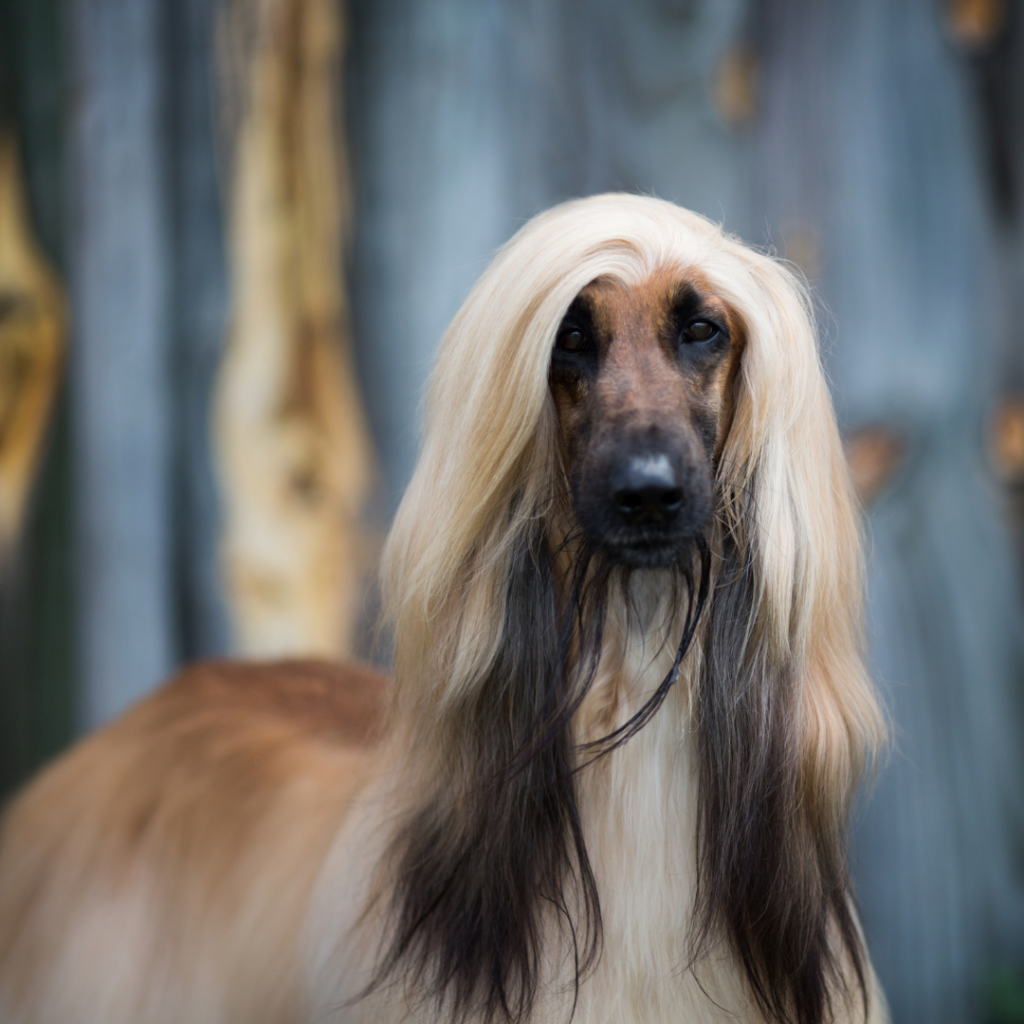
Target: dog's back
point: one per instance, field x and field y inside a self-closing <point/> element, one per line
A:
<point x="160" y="871"/>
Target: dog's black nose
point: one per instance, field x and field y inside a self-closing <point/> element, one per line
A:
<point x="645" y="489"/>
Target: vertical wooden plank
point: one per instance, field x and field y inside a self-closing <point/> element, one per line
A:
<point x="120" y="373"/>
<point x="32" y="334"/>
<point x="998" y="73"/>
<point x="36" y="669"/>
<point x="199" y="317"/>
<point x="294" y="453"/>
<point x="432" y="189"/>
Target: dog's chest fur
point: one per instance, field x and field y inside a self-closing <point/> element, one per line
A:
<point x="638" y="807"/>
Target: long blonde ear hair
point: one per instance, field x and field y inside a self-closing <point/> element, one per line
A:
<point x="785" y="710"/>
<point x="787" y="713"/>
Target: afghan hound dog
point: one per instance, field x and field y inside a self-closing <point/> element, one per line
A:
<point x="609" y="776"/>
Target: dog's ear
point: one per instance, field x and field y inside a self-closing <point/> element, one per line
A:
<point x="496" y="852"/>
<point x="772" y="872"/>
<point x="785" y="707"/>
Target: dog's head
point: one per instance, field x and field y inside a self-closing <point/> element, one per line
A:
<point x="643" y="382"/>
<point x="628" y="382"/>
<point x="662" y="373"/>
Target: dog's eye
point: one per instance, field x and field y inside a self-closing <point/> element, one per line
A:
<point x="700" y="330"/>
<point x="572" y="339"/>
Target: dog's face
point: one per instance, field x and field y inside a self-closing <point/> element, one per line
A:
<point x="642" y="379"/>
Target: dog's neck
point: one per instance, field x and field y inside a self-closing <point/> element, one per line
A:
<point x="639" y="643"/>
<point x="639" y="809"/>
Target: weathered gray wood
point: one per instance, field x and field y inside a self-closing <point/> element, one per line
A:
<point x="869" y="161"/>
<point x="199" y="312"/>
<point x="431" y="175"/>
<point x="120" y="373"/>
<point x="637" y="87"/>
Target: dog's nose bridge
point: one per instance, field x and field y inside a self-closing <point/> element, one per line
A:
<point x="640" y="380"/>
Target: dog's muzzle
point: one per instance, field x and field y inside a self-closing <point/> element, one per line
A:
<point x="645" y="504"/>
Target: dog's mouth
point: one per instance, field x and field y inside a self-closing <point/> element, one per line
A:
<point x="645" y="544"/>
<point x="648" y="552"/>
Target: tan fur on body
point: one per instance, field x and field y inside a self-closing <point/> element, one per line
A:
<point x="161" y="871"/>
<point x="246" y="846"/>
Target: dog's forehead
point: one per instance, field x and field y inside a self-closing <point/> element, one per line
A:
<point x="621" y="307"/>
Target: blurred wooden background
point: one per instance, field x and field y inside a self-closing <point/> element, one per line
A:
<point x="262" y="214"/>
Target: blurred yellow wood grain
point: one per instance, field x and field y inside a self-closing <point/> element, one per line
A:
<point x="295" y="457"/>
<point x="32" y="337"/>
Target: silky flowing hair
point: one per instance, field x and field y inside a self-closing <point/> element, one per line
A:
<point x="489" y="645"/>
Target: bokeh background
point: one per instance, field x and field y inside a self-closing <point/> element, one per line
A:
<point x="233" y="231"/>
